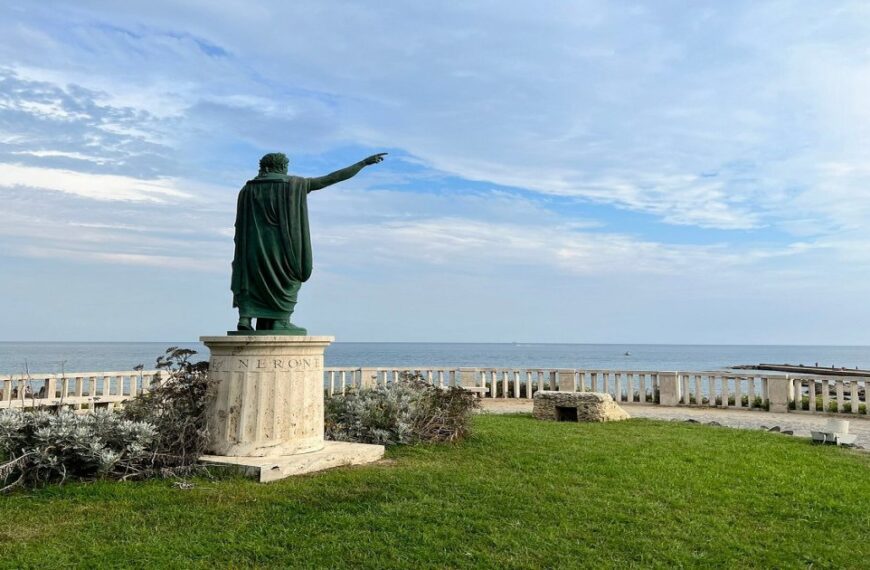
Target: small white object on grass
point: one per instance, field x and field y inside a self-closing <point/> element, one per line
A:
<point x="840" y="427"/>
<point x="846" y="439"/>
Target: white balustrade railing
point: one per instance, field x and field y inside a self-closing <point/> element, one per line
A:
<point x="76" y="389"/>
<point x="830" y="394"/>
<point x="624" y="386"/>
<point x="724" y="389"/>
<point x="745" y="390"/>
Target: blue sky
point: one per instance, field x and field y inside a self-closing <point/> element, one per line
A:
<point x="558" y="171"/>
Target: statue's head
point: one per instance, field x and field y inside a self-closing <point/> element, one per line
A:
<point x="274" y="162"/>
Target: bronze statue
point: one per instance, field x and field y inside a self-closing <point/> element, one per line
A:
<point x="273" y="245"/>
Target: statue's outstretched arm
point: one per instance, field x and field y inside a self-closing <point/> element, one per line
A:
<point x="319" y="182"/>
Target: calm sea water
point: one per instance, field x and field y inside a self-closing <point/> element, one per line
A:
<point x="53" y="357"/>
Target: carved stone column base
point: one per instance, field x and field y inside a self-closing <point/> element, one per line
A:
<point x="268" y="394"/>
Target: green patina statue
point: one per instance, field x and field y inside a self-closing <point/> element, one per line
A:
<point x="273" y="245"/>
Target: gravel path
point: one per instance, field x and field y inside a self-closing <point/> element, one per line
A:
<point x="800" y="424"/>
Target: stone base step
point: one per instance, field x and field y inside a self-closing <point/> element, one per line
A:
<point x="333" y="454"/>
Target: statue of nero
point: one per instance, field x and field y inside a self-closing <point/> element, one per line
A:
<point x="273" y="245"/>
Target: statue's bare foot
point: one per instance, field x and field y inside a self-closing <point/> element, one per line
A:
<point x="244" y="324"/>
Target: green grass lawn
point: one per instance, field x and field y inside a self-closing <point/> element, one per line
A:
<point x="520" y="494"/>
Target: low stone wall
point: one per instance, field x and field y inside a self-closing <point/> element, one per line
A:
<point x="577" y="406"/>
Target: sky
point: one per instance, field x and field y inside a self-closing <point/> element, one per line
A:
<point x="581" y="171"/>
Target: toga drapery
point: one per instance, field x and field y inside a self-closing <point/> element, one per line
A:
<point x="273" y="245"/>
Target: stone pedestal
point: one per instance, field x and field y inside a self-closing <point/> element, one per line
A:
<point x="268" y="406"/>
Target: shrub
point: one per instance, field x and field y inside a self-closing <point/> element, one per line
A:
<point x="177" y="409"/>
<point x="407" y="411"/>
<point x="41" y="447"/>
<point x="160" y="433"/>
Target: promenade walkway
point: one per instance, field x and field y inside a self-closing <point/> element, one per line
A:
<point x="800" y="424"/>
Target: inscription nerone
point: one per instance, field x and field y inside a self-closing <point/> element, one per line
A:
<point x="264" y="364"/>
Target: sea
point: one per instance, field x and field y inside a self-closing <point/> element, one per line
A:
<point x="57" y="357"/>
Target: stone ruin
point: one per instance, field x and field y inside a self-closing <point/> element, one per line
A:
<point x="577" y="407"/>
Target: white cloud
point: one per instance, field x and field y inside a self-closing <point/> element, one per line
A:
<point x="60" y="153"/>
<point x="474" y="246"/>
<point x="139" y="260"/>
<point x="95" y="186"/>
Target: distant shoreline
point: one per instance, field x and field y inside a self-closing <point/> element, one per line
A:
<point x="625" y="344"/>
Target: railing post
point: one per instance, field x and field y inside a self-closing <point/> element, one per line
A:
<point x="798" y="396"/>
<point x="839" y="391"/>
<point x="565" y="381"/>
<point x="50" y="389"/>
<point x="368" y="377"/>
<point x="778" y="391"/>
<point x="750" y="398"/>
<point x="64" y="388"/>
<point x="92" y="392"/>
<point x="669" y="388"/>
<point x="468" y="377"/>
<point x="617" y="380"/>
<point x="685" y="391"/>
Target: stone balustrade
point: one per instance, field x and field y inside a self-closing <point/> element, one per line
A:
<point x="723" y="389"/>
<point x="79" y="390"/>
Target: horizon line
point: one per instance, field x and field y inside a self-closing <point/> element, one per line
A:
<point x="520" y="343"/>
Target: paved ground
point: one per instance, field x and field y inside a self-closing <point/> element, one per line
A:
<point x="801" y="424"/>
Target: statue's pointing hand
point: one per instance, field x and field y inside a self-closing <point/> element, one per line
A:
<point x="375" y="158"/>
